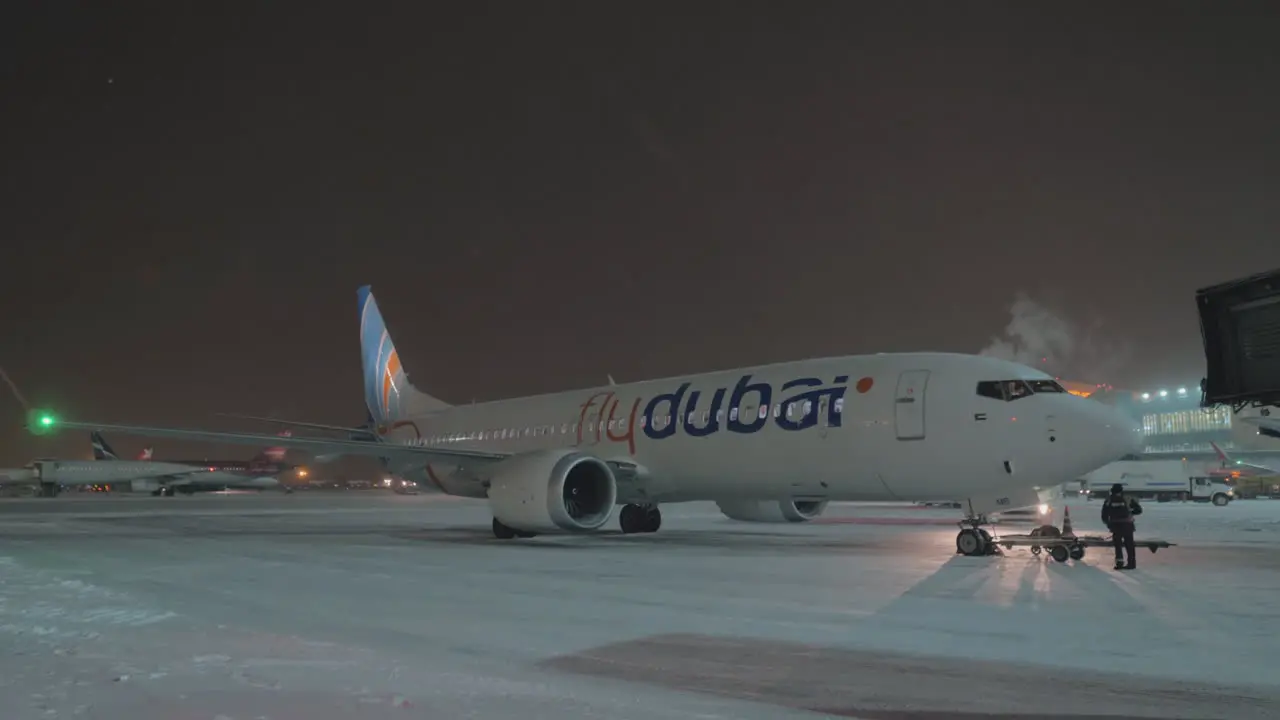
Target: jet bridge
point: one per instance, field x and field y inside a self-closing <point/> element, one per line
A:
<point x="1240" y="329"/>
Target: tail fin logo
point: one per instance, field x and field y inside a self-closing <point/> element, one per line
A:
<point x="145" y="454"/>
<point x="101" y="450"/>
<point x="384" y="378"/>
<point x="389" y="380"/>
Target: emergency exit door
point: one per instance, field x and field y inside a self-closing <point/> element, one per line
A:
<point x="908" y="404"/>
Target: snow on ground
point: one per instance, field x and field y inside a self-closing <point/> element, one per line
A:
<point x="371" y="605"/>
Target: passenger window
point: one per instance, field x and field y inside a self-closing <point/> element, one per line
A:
<point x="733" y="414"/>
<point x="839" y="407"/>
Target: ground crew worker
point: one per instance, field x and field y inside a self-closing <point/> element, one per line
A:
<point x="1117" y="514"/>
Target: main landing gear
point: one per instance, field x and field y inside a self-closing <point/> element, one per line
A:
<point x="502" y="532"/>
<point x="632" y="519"/>
<point x="972" y="539"/>
<point x="640" y="519"/>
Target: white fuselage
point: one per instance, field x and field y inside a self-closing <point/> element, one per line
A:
<point x="144" y="473"/>
<point x="878" y="427"/>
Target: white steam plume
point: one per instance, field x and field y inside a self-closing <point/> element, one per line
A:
<point x="1049" y="341"/>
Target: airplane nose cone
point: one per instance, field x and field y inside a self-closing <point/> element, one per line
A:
<point x="1118" y="434"/>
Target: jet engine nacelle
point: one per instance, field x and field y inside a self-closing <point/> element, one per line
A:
<point x="554" y="491"/>
<point x="772" y="511"/>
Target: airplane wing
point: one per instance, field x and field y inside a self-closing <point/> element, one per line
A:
<point x="320" y="445"/>
<point x="1252" y="466"/>
<point x="294" y="423"/>
<point x="1232" y="462"/>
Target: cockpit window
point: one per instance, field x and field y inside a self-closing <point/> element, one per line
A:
<point x="991" y="389"/>
<point x="1006" y="390"/>
<point x="1010" y="390"/>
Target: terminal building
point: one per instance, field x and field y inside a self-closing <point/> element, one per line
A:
<point x="1173" y="423"/>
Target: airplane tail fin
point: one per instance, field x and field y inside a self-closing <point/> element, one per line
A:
<point x="276" y="454"/>
<point x="387" y="391"/>
<point x="101" y="450"/>
<point x="1222" y="455"/>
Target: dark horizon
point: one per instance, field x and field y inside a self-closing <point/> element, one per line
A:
<point x="545" y="196"/>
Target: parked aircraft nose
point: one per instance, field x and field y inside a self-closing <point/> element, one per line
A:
<point x="1114" y="434"/>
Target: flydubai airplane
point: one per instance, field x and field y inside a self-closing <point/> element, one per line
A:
<point x="770" y="443"/>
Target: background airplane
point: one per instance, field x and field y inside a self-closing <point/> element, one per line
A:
<point x="769" y="443"/>
<point x="261" y="472"/>
<point x="1251" y="469"/>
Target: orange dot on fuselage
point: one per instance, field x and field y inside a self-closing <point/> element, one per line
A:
<point x="865" y="384"/>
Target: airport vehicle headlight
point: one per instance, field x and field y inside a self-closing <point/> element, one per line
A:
<point x="1044" y="509"/>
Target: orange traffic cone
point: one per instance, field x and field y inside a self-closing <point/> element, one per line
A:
<point x="1066" y="523"/>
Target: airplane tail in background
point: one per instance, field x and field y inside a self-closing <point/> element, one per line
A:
<point x="387" y="391"/>
<point x="1223" y="457"/>
<point x="276" y="454"/>
<point x="101" y="450"/>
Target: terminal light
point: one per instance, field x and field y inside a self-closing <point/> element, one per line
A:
<point x="1182" y="391"/>
<point x="1164" y="393"/>
<point x="1146" y="396"/>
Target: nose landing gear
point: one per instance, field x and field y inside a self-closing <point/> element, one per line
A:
<point x="973" y="540"/>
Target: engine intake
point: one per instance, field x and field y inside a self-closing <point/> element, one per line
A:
<point x="770" y="511"/>
<point x="553" y="491"/>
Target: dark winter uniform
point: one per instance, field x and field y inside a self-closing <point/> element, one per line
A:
<point x="1118" y="513"/>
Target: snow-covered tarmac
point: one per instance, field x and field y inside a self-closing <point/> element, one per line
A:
<point x="368" y="605"/>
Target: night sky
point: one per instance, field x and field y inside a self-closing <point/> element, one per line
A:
<point x="542" y="193"/>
